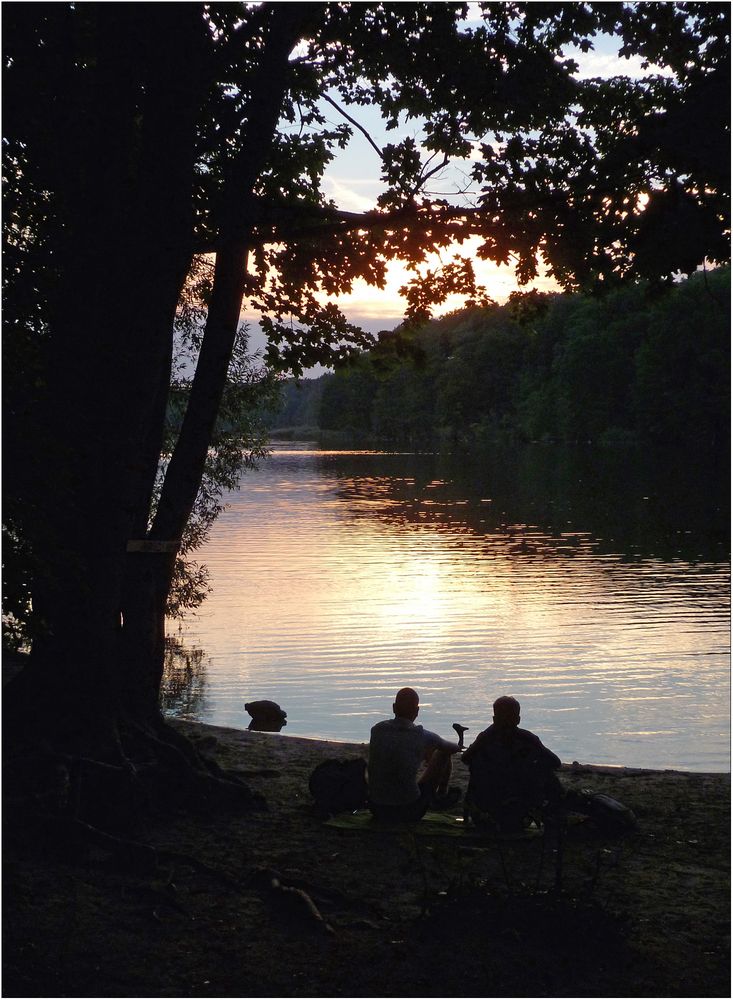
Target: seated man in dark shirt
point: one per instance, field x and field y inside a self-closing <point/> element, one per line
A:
<point x="512" y="773"/>
<point x="397" y="749"/>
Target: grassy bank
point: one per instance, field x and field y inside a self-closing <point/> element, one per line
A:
<point x="645" y="916"/>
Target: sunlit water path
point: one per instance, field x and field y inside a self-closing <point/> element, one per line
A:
<point x="603" y="606"/>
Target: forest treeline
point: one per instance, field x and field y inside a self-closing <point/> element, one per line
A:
<point x="627" y="367"/>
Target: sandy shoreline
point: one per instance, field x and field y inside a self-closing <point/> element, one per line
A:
<point x="310" y="744"/>
<point x="644" y="916"/>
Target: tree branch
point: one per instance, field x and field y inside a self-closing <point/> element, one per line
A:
<point x="436" y="170"/>
<point x="293" y="220"/>
<point x="354" y="122"/>
<point x="269" y="86"/>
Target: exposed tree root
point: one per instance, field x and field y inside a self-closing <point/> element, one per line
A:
<point x="115" y="777"/>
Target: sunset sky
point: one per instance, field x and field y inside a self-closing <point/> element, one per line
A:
<point x="353" y="181"/>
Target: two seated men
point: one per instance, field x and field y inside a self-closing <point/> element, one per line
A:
<point x="512" y="773"/>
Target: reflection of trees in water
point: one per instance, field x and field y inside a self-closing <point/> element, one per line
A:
<point x="636" y="502"/>
<point x="183" y="689"/>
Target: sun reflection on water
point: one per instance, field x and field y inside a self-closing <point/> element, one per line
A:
<point x="336" y="582"/>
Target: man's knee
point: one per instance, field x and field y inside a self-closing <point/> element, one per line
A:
<point x="437" y="768"/>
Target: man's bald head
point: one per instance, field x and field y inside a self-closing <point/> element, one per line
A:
<point x="406" y="704"/>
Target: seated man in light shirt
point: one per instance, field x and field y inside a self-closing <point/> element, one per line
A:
<point x="397" y="748"/>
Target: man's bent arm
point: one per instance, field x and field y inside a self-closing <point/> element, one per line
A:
<point x="435" y="742"/>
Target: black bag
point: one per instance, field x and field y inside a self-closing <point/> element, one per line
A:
<point x="339" y="785"/>
<point x="610" y="816"/>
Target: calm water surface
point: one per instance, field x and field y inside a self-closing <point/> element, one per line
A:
<point x="594" y="588"/>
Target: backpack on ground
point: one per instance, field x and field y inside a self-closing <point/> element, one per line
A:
<point x="611" y="816"/>
<point x="339" y="785"/>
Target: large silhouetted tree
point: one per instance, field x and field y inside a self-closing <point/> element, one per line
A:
<point x="139" y="137"/>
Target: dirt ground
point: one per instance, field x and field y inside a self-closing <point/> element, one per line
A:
<point x="646" y="915"/>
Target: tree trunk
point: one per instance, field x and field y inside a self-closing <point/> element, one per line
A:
<point x="127" y="252"/>
<point x="150" y="573"/>
<point x="90" y="691"/>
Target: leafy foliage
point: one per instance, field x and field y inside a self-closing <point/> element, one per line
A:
<point x="595" y="176"/>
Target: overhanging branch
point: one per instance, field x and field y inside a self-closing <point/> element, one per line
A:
<point x="276" y="224"/>
<point x="354" y="122"/>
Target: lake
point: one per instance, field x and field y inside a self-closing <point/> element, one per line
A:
<point x="592" y="585"/>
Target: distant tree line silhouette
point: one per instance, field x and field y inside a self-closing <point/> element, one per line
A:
<point x="623" y="368"/>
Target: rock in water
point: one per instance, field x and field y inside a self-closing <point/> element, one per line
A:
<point x="267" y="716"/>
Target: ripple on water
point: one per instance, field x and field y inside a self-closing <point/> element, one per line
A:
<point x="331" y="591"/>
